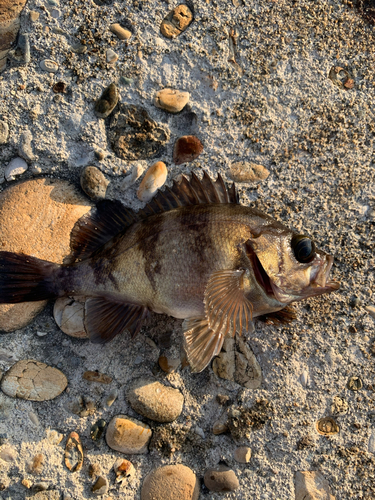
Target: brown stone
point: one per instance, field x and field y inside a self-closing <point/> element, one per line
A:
<point x="36" y="218"/>
<point x="187" y="148"/>
<point x="176" y="21"/>
<point x="169" y="483"/>
<point x="9" y="25"/>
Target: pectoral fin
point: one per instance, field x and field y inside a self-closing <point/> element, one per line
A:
<point x="227" y="311"/>
<point x="104" y="319"/>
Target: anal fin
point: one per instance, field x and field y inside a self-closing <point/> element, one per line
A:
<point x="104" y="318"/>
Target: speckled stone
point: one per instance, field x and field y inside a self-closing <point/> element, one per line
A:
<point x="94" y="183"/>
<point x="171" y="482"/>
<point x="247" y="171"/>
<point x="34" y="381"/>
<point x="154" y="400"/>
<point x="128" y="435"/>
<point x="171" y="100"/>
<point x="176" y="21"/>
<point x="221" y="479"/>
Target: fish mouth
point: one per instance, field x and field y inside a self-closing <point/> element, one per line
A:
<point x="322" y="283"/>
<point x="260" y="274"/>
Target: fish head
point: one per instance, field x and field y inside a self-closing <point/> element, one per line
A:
<point x="289" y="266"/>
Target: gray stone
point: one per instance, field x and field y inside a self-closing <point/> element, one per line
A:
<point x="22" y="51"/>
<point x="25" y="149"/>
<point x="4" y="132"/>
<point x="94" y="183"/>
<point x="15" y="167"/>
<point x="221" y="479"/>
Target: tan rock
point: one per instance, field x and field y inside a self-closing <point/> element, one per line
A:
<point x="312" y="485"/>
<point x="153" y="180"/>
<point x="244" y="171"/>
<point x="9" y="25"/>
<point x="176" y="21"/>
<point x="242" y="454"/>
<point x="36" y="218"/>
<point x="120" y="32"/>
<point x="221" y="479"/>
<point x="171" y="100"/>
<point x="169" y="483"/>
<point x="128" y="435"/>
<point x="34" y="381"/>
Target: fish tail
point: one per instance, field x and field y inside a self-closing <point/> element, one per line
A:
<point x="26" y="279"/>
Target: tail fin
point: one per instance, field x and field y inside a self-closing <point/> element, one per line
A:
<point x="25" y="279"/>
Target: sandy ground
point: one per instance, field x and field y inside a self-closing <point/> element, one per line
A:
<point x="276" y="106"/>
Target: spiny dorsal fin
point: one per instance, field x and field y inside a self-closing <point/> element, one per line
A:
<point x="97" y="227"/>
<point x="191" y="192"/>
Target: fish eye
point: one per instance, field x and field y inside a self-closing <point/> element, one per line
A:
<point x="303" y="248"/>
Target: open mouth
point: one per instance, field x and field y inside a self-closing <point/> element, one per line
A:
<point x="260" y="274"/>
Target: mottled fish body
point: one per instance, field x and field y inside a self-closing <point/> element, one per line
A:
<point x="193" y="253"/>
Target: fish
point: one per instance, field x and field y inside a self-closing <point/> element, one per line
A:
<point x="193" y="252"/>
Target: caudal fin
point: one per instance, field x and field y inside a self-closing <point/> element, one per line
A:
<point x="25" y="279"/>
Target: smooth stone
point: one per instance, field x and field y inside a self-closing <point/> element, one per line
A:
<point x="221" y="479"/>
<point x="154" y="400"/>
<point x="9" y="26"/>
<point x="111" y="56"/>
<point x="236" y="362"/>
<point x="171" y="482"/>
<point x="4" y="132"/>
<point x="120" y="32"/>
<point x="94" y="183"/>
<point x="219" y="428"/>
<point x="107" y="101"/>
<point x="15" y="167"/>
<point x="128" y="435"/>
<point x="37" y="217"/>
<point x="34" y="16"/>
<point x="34" y="381"/>
<point x="242" y="454"/>
<point x="312" y="485"/>
<point x="49" y="66"/>
<point x="134" y="135"/>
<point x="187" y="148"/>
<point x="176" y="21"/>
<point x="244" y="171"/>
<point x="153" y="180"/>
<point x="101" y="486"/>
<point x="171" y="100"/>
<point x="69" y="317"/>
<point x="25" y="149"/>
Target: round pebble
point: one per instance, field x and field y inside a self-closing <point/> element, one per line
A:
<point x="171" y="482"/>
<point x="171" y="100"/>
<point x="128" y="435"/>
<point x="15" y="167"/>
<point x="34" y="381"/>
<point x="187" y="148"/>
<point x="94" y="183"/>
<point x="49" y="66"/>
<point x="154" y="400"/>
<point x="243" y="171"/>
<point x="154" y="179"/>
<point x="120" y="32"/>
<point x="242" y="454"/>
<point x="221" y="479"/>
<point x="4" y="132"/>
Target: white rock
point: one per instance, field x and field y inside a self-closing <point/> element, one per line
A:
<point x="49" y="66"/>
<point x="111" y="56"/>
<point x="69" y="316"/>
<point x="304" y="378"/>
<point x="15" y="167"/>
<point x="130" y="179"/>
<point x="154" y="179"/>
<point x="312" y="485"/>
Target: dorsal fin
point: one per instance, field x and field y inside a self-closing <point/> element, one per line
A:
<point x="191" y="192"/>
<point x="97" y="227"/>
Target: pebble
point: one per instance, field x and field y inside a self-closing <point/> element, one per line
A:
<point x="134" y="135"/>
<point x="171" y="482"/>
<point x="4" y="132"/>
<point x="153" y="180"/>
<point x="327" y="426"/>
<point x="312" y="485"/>
<point x="111" y="56"/>
<point x="34" y="16"/>
<point x="128" y="435"/>
<point x="22" y="51"/>
<point x="123" y="470"/>
<point x="120" y="32"/>
<point x="111" y="398"/>
<point x="219" y="428"/>
<point x="107" y="101"/>
<point x="237" y="362"/>
<point x="370" y="309"/>
<point x="34" y="418"/>
<point x="69" y="317"/>
<point x="36" y="466"/>
<point x="242" y="454"/>
<point x="221" y="479"/>
<point x="25" y="149"/>
<point x="34" y="381"/>
<point x="169" y="364"/>
<point x="78" y="48"/>
<point x="94" y="183"/>
<point x="101" y="486"/>
<point x="176" y="21"/>
<point x="125" y="80"/>
<point x="244" y="171"/>
<point x="154" y="400"/>
<point x="74" y="453"/>
<point x="15" y="167"/>
<point x="95" y="376"/>
<point x="187" y="148"/>
<point x="49" y="66"/>
<point x="46" y="495"/>
<point x="171" y="100"/>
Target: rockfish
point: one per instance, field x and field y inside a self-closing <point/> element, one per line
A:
<point x="193" y="252"/>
